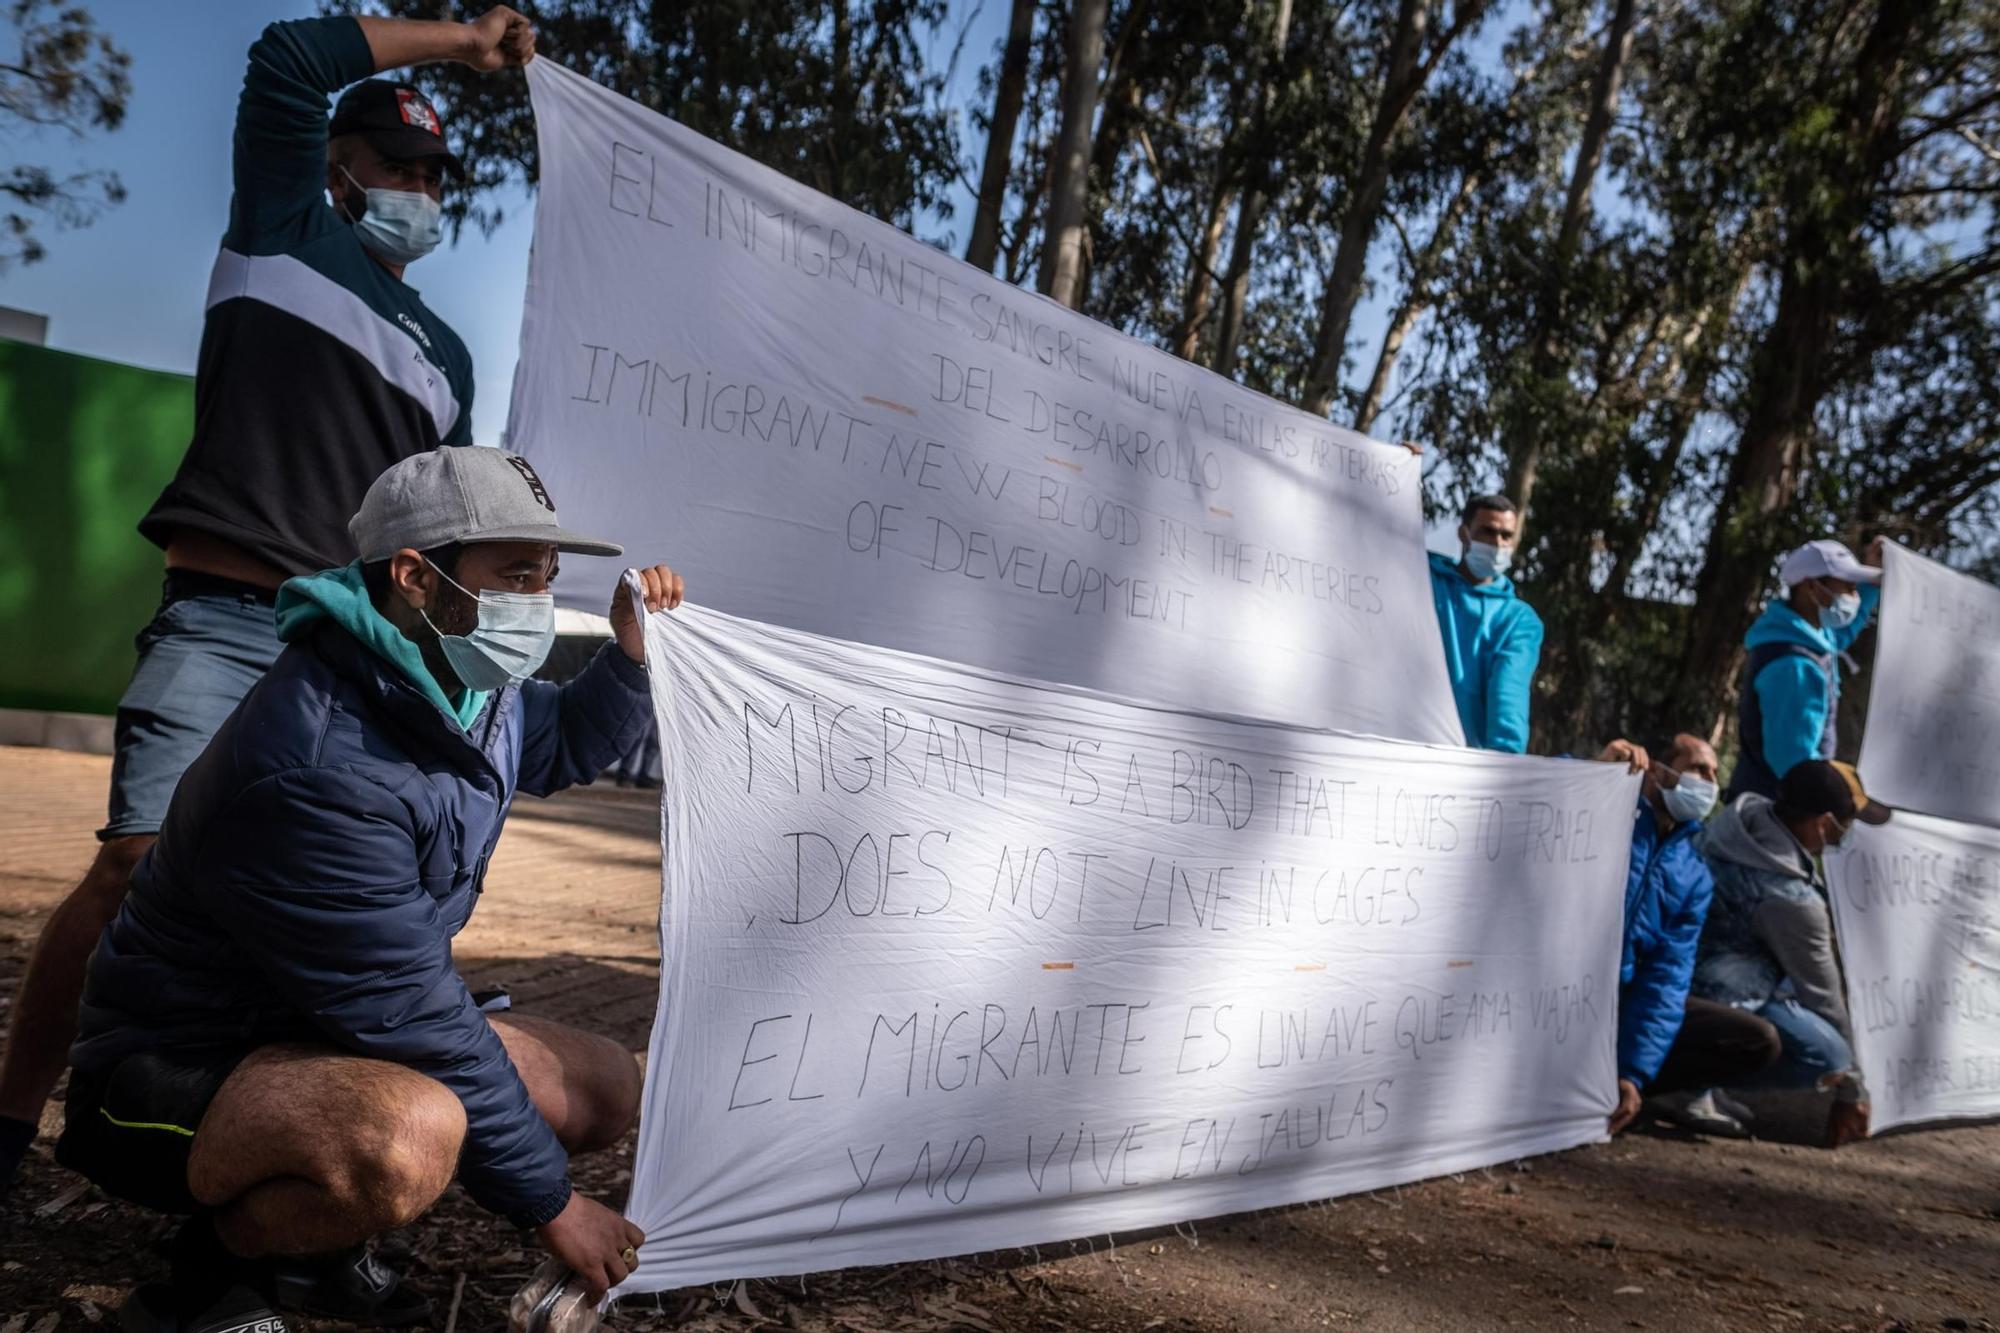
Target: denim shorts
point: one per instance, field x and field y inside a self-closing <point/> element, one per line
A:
<point x="210" y="641"/>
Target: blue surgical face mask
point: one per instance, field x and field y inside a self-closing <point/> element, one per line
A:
<point x="513" y="637"/>
<point x="1690" y="798"/>
<point x="1486" y="560"/>
<point x="1841" y="611"/>
<point x="398" y="226"/>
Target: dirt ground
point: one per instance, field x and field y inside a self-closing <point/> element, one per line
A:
<point x="1653" y="1231"/>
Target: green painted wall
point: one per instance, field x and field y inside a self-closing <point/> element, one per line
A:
<point x="85" y="447"/>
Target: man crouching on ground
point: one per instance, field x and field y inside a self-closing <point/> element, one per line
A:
<point x="273" y="1038"/>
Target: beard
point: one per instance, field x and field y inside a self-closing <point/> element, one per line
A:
<point x="455" y="613"/>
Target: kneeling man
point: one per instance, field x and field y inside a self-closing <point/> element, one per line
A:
<point x="1672" y="1047"/>
<point x="1768" y="945"/>
<point x="273" y="1039"/>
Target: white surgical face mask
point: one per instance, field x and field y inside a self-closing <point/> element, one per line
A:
<point x="513" y="637"/>
<point x="1841" y="611"/>
<point x="398" y="226"/>
<point x="1485" y="560"/>
<point x="1691" y="798"/>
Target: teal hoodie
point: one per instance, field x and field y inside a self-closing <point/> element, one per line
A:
<point x="341" y="596"/>
<point x="1492" y="645"/>
<point x="1792" y="692"/>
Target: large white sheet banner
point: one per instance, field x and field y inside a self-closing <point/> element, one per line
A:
<point x="1933" y="738"/>
<point x="838" y="428"/>
<point x="1916" y="905"/>
<point x="954" y="961"/>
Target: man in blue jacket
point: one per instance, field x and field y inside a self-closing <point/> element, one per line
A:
<point x="273" y="1038"/>
<point x="319" y="367"/>
<point x="1668" y="1043"/>
<point x="1492" y="639"/>
<point x="1789" y="705"/>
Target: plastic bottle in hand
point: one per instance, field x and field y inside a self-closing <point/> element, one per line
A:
<point x="553" y="1301"/>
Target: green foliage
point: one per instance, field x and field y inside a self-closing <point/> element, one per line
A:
<point x="65" y="76"/>
<point x="1780" y="333"/>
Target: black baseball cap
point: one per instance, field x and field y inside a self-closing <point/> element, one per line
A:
<point x="1811" y="788"/>
<point x="397" y="119"/>
<point x="1866" y="809"/>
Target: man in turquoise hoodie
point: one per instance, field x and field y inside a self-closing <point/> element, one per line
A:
<point x="1492" y="639"/>
<point x="1791" y="693"/>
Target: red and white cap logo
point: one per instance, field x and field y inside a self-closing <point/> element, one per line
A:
<point x="418" y="112"/>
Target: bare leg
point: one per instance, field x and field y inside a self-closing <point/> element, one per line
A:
<point x="304" y="1150"/>
<point x="44" y="1021"/>
<point x="587" y="1087"/>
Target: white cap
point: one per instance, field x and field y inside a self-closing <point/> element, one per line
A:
<point x="1825" y="559"/>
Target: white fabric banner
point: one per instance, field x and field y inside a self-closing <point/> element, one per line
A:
<point x="1916" y="903"/>
<point x="955" y="961"/>
<point x="837" y="428"/>
<point x="1932" y="742"/>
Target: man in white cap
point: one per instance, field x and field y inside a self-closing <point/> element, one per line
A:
<point x="274" y="1040"/>
<point x="1787" y="709"/>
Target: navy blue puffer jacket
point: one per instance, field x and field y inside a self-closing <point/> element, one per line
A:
<point x="314" y="866"/>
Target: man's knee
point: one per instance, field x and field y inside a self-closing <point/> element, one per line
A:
<point x="610" y="1096"/>
<point x="586" y="1085"/>
<point x="1762" y="1045"/>
<point x="1747" y="1046"/>
<point x="403" y="1151"/>
<point x="628" y="1086"/>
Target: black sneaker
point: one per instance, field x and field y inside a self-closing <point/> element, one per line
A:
<point x="154" y="1308"/>
<point x="350" y="1285"/>
<point x="213" y="1291"/>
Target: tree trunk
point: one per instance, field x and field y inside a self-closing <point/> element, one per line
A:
<point x="1596" y="127"/>
<point x="842" y="97"/>
<point x="1788" y="374"/>
<point x="1120" y="102"/>
<point x="1524" y="453"/>
<point x="1690" y="401"/>
<point x="1069" y="185"/>
<point x="1018" y="253"/>
<point x="1416" y="300"/>
<point x="1201" y="274"/>
<point x="1008" y="93"/>
<point x="1400" y="85"/>
<point x="1256" y="197"/>
<point x="1236" y="280"/>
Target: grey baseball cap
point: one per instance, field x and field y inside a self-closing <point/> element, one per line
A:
<point x="466" y="493"/>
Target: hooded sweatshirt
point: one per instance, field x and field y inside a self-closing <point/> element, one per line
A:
<point x="1768" y="922"/>
<point x="1492" y="645"/>
<point x="341" y="595"/>
<point x="1795" y="696"/>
